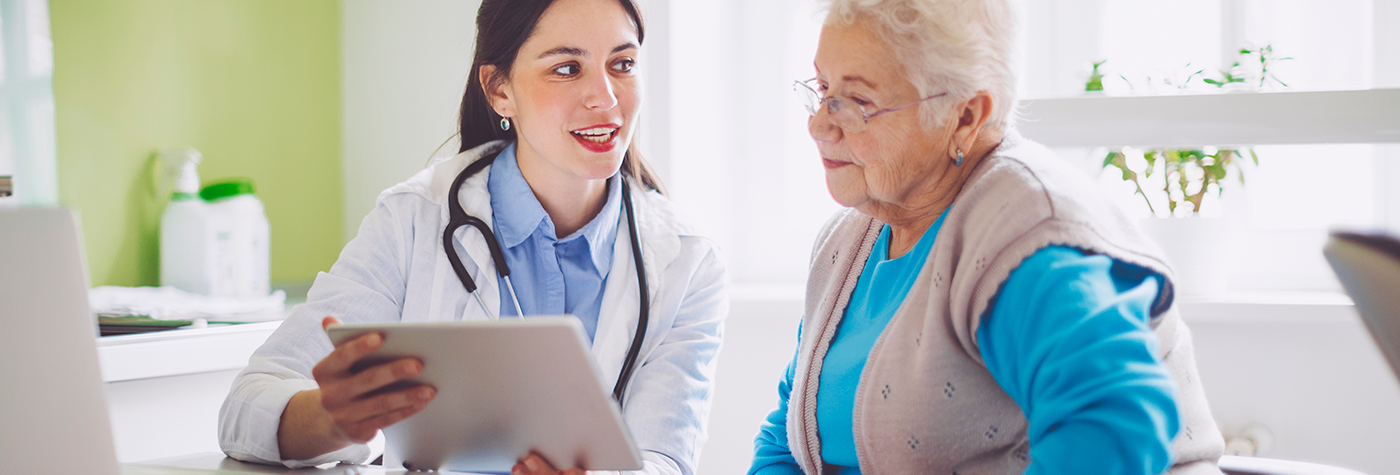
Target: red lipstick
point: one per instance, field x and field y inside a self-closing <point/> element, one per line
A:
<point x="599" y="138"/>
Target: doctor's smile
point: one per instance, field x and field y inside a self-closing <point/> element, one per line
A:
<point x="598" y="138"/>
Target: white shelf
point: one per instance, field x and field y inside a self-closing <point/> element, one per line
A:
<point x="1225" y="119"/>
<point x="178" y="352"/>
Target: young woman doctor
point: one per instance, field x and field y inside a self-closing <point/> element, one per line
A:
<point x="547" y="161"/>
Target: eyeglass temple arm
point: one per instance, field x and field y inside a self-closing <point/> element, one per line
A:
<point x="892" y="109"/>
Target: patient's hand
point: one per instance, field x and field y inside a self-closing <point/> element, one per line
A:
<point x="346" y="409"/>
<point x="536" y="465"/>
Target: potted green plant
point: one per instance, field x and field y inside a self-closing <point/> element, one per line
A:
<point x="1254" y="70"/>
<point x="1095" y="83"/>
<point x="1239" y="77"/>
<point x="1185" y="176"/>
<point x="1175" y="183"/>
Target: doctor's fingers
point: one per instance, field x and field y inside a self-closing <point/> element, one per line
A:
<point x="364" y="416"/>
<point x="339" y="391"/>
<point x="363" y="430"/>
<point x="533" y="464"/>
<point x="338" y="363"/>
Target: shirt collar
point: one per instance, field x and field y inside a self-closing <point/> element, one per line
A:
<point x="518" y="214"/>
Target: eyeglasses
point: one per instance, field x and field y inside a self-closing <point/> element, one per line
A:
<point x="844" y="113"/>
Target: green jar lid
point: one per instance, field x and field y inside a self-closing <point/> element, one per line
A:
<point x="227" y="188"/>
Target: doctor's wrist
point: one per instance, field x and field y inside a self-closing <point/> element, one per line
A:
<point x="306" y="429"/>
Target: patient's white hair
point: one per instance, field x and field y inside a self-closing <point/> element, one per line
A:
<point x="958" y="46"/>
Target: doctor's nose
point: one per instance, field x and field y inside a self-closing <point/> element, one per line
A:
<point x="599" y="92"/>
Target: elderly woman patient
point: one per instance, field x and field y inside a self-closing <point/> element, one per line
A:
<point x="978" y="308"/>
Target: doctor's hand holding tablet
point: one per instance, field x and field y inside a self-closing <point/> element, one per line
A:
<point x="547" y="212"/>
<point x="348" y="407"/>
<point x="539" y="401"/>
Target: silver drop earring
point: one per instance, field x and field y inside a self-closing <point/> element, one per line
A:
<point x="960" y="157"/>
<point x="505" y="123"/>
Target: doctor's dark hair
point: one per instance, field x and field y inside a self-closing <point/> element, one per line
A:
<point x="502" y="27"/>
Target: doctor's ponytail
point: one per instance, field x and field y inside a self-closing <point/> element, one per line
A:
<point x="502" y="27"/>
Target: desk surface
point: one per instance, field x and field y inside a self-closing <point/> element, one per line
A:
<point x="217" y="463"/>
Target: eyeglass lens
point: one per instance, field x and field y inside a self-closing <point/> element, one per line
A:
<point x="845" y="117"/>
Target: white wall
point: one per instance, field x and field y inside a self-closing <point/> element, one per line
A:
<point x="743" y="168"/>
<point x="403" y="70"/>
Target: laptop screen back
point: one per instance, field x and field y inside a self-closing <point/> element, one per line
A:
<point x="1368" y="265"/>
<point x="53" y="413"/>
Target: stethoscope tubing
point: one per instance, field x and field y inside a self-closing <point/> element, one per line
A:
<point x="457" y="217"/>
<point x="629" y="364"/>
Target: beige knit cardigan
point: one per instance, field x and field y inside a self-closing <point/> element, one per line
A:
<point x="925" y="402"/>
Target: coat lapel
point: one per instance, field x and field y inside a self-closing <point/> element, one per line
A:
<point x="470" y="244"/>
<point x="660" y="234"/>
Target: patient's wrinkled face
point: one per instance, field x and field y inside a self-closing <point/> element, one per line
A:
<point x="894" y="159"/>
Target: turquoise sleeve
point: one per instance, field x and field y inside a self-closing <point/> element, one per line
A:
<point x="771" y="452"/>
<point x="1069" y="339"/>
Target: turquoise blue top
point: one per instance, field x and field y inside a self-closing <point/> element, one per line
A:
<point x="879" y="292"/>
<point x="551" y="275"/>
<point x="1067" y="338"/>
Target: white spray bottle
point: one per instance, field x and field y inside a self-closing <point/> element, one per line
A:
<point x="186" y="253"/>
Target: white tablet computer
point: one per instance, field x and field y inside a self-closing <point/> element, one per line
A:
<point x="504" y="389"/>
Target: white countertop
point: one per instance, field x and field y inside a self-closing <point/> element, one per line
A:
<point x="188" y="351"/>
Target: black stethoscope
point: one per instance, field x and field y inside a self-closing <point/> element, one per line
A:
<point x="458" y="218"/>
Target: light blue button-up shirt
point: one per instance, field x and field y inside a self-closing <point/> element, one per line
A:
<point x="551" y="275"/>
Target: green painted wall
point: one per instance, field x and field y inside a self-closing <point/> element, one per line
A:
<point x="253" y="84"/>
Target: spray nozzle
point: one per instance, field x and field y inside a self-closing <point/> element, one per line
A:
<point x="183" y="164"/>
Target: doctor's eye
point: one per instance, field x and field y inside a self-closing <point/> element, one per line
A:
<point x="566" y="69"/>
<point x="624" y="65"/>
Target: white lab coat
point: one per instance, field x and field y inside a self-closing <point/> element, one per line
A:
<point x="396" y="270"/>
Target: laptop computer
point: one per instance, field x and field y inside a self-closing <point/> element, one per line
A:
<point x="53" y="415"/>
<point x="53" y="411"/>
<point x="1368" y="265"/>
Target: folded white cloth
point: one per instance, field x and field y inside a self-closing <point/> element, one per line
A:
<point x="169" y="303"/>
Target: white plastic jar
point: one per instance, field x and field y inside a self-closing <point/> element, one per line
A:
<point x="240" y="239"/>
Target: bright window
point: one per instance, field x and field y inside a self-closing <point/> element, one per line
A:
<point x="26" y="103"/>
<point x="741" y="166"/>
